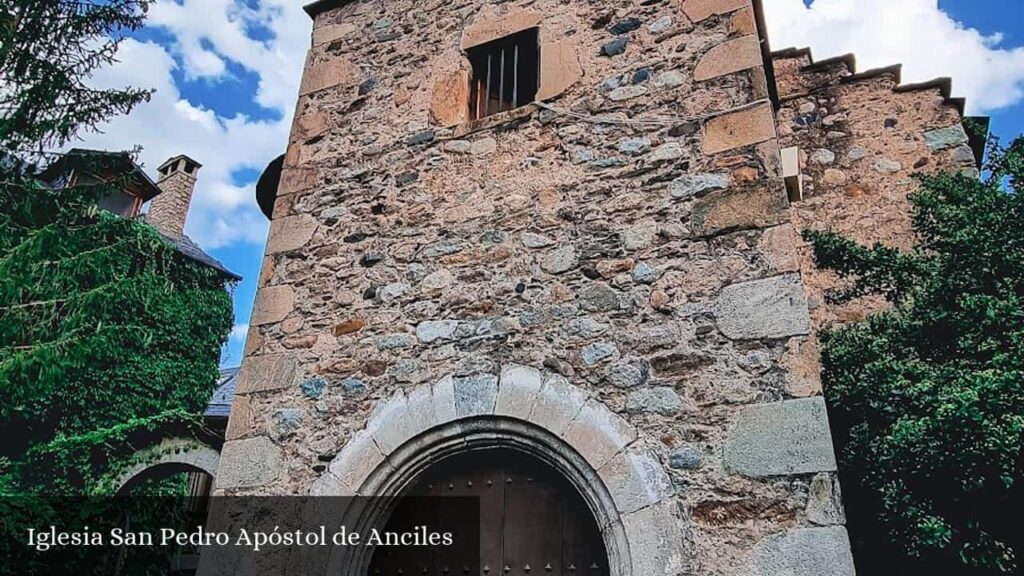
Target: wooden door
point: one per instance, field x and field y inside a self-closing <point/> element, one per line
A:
<point x="532" y="521"/>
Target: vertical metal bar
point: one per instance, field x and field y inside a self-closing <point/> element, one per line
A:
<point x="487" y="97"/>
<point x="515" y="76"/>
<point x="501" y="81"/>
<point x="479" y="99"/>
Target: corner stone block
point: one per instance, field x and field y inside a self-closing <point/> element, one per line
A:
<point x="947" y="137"/>
<point x="267" y="372"/>
<point x="357" y="459"/>
<point x="475" y="395"/>
<point x="698" y="10"/>
<point x="560" y="68"/>
<point x="739" y="129"/>
<point x="290" y="233"/>
<point x="295" y="180"/>
<point x="240" y="422"/>
<point x="486" y="29"/>
<point x="635" y="480"/>
<point x="801" y="360"/>
<point x="272" y="304"/>
<point x="781" y="438"/>
<point x="331" y="32"/>
<point x="731" y="56"/>
<point x="771" y="308"/>
<point x="249" y="463"/>
<point x="780" y="246"/>
<point x="324" y="71"/>
<point x="758" y="206"/>
<point x="804" y="552"/>
<point x="598" y="434"/>
<point x="312" y="124"/>
<point x="655" y="540"/>
<point x="517" y="391"/>
<point x="557" y="405"/>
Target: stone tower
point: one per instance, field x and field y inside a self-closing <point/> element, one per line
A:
<point x="562" y="228"/>
<point x="177" y="181"/>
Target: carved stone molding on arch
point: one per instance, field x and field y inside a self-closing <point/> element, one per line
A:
<point x="625" y="487"/>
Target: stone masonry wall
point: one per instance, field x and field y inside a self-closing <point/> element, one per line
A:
<point x="628" y="236"/>
<point x="861" y="139"/>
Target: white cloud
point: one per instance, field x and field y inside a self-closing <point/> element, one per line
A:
<point x="915" y="33"/>
<point x="206" y="35"/>
<point x="239" y="332"/>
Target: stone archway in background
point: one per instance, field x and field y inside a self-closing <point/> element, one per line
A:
<point x="624" y="487"/>
<point x="170" y="456"/>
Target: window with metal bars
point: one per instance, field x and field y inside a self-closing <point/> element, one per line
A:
<point x="506" y="73"/>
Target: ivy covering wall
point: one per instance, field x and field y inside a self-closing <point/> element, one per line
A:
<point x="109" y="337"/>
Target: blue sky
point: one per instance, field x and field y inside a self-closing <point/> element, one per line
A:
<point x="227" y="71"/>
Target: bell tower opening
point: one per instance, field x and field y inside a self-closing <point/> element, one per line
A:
<point x="532" y="520"/>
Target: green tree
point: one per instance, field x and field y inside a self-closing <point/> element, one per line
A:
<point x="108" y="335"/>
<point x="927" y="397"/>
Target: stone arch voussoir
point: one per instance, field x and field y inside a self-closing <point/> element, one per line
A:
<point x="625" y="486"/>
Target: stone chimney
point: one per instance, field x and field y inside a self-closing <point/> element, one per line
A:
<point x="168" y="210"/>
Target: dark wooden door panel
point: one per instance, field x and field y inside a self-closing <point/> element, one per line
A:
<point x="532" y="521"/>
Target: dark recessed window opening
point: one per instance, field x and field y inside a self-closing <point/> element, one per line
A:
<point x="506" y="73"/>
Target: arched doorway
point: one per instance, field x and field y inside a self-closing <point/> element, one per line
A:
<point x="603" y="458"/>
<point x="532" y="520"/>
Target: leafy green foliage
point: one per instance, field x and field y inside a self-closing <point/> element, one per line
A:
<point x="927" y="398"/>
<point x="109" y="337"/>
<point x="48" y="48"/>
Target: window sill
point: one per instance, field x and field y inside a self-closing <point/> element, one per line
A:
<point x="492" y="121"/>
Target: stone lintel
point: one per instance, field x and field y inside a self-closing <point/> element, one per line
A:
<point x="780" y="439"/>
<point x="487" y="29"/>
